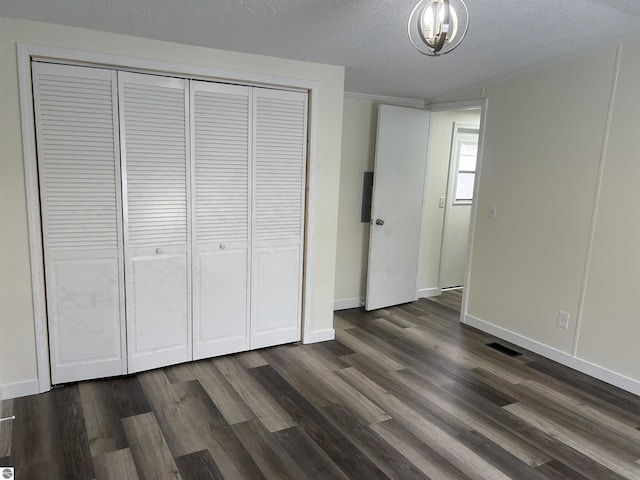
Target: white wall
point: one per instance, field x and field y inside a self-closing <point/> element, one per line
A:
<point x="543" y="160"/>
<point x="358" y="150"/>
<point x="541" y="155"/>
<point x="610" y="326"/>
<point x="17" y="341"/>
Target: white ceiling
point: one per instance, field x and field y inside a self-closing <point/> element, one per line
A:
<point x="368" y="37"/>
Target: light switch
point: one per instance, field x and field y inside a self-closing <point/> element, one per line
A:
<point x="442" y="202"/>
<point x="563" y="319"/>
<point x="493" y="210"/>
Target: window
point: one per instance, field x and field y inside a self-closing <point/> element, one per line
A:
<point x="466" y="171"/>
<point x="465" y="153"/>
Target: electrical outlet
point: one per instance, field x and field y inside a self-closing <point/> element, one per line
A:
<point x="563" y="319"/>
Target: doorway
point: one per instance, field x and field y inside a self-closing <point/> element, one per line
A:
<point x="458" y="200"/>
<point x="439" y="135"/>
<point x="451" y="198"/>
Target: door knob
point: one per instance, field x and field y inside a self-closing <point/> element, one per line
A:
<point x="379" y="221"/>
<point x="158" y="251"/>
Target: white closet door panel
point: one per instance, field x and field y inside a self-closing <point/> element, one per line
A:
<point x="275" y="296"/>
<point x="221" y="179"/>
<point x="221" y="153"/>
<point x="154" y="135"/>
<point x="280" y="143"/>
<point x="78" y="163"/>
<point x="220" y="303"/>
<point x="84" y="318"/>
<point x="155" y="157"/>
<point x="280" y="161"/>
<point x="157" y="311"/>
<point x="77" y="151"/>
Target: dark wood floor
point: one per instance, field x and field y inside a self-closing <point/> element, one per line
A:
<point x="450" y="298"/>
<point x="403" y="393"/>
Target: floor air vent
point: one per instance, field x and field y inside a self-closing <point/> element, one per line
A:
<point x="503" y="349"/>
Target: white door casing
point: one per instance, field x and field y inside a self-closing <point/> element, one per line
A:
<point x="221" y="146"/>
<point x="154" y="135"/>
<point x="77" y="145"/>
<point x="396" y="209"/>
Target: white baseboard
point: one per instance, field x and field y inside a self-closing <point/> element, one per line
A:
<point x="348" y="303"/>
<point x="584" y="366"/>
<point x="429" y="292"/>
<point x="316" y="336"/>
<point x="358" y="302"/>
<point x="19" y="389"/>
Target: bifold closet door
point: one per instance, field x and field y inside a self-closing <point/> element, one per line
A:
<point x="78" y="164"/>
<point x="279" y="155"/>
<point x="221" y="176"/>
<point x="154" y="137"/>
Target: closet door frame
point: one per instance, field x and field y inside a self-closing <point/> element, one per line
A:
<point x="26" y="53"/>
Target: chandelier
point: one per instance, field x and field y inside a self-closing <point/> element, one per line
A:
<point x="437" y="27"/>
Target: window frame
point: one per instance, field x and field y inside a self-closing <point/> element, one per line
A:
<point x="462" y="134"/>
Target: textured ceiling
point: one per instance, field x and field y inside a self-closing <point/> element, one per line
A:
<point x="368" y="37"/>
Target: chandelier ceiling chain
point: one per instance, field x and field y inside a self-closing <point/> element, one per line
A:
<point x="437" y="27"/>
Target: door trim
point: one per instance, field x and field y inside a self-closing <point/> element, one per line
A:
<point x="483" y="104"/>
<point x="27" y="52"/>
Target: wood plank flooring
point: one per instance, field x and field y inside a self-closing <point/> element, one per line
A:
<point x="402" y="393"/>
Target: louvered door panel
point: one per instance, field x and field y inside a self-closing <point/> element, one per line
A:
<point x="155" y="149"/>
<point x="78" y="161"/>
<point x="279" y="164"/>
<point x="155" y="139"/>
<point x="221" y="147"/>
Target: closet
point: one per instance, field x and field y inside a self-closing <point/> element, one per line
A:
<point x="172" y="217"/>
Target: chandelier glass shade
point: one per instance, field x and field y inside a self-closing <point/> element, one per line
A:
<point x="437" y="27"/>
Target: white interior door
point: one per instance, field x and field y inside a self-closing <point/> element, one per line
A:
<point x="396" y="209"/>
<point x="155" y="147"/>
<point x="457" y="214"/>
<point x="279" y="156"/>
<point x="221" y="178"/>
<point x="78" y="163"/>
